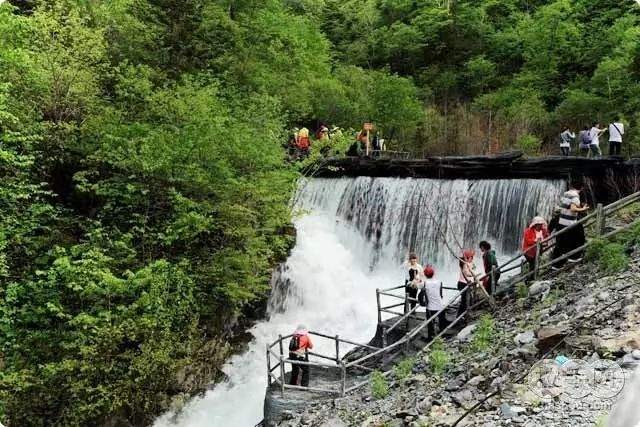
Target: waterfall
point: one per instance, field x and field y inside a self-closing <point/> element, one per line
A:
<point x="352" y="235"/>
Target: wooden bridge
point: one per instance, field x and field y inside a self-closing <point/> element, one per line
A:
<point x="403" y="333"/>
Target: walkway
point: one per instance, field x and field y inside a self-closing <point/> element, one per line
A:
<point x="404" y="334"/>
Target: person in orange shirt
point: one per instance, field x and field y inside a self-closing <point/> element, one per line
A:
<point x="298" y="346"/>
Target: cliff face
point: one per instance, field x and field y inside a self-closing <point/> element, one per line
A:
<point x="556" y="354"/>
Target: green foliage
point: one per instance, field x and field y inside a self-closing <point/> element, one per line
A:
<point x="379" y="385"/>
<point x="484" y="335"/>
<point x="522" y="290"/>
<point x="439" y="358"/>
<point x="404" y="368"/>
<point x="611" y="256"/>
<point x="529" y="145"/>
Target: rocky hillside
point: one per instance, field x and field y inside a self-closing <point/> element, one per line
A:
<point x="555" y="354"/>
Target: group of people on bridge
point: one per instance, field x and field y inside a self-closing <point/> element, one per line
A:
<point x="589" y="139"/>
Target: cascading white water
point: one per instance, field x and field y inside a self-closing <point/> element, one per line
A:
<point x="352" y="235"/>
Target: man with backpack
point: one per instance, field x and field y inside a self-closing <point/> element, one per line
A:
<point x="298" y="346"/>
<point x="616" y="130"/>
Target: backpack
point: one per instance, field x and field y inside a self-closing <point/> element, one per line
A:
<point x="294" y="344"/>
<point x="422" y="298"/>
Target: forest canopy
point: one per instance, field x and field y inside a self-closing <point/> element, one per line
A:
<point x="145" y="187"/>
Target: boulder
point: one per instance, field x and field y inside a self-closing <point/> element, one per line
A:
<point x="507" y="411"/>
<point x="465" y="334"/>
<point x="526" y="337"/>
<point x="463" y="398"/>
<point x="629" y="340"/>
<point x="539" y="287"/>
<point x="549" y="337"/>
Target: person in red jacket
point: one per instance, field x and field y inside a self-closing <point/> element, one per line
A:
<point x="535" y="232"/>
<point x="298" y="346"/>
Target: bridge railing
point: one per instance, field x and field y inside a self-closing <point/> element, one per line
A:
<point x="598" y="218"/>
<point x="278" y="352"/>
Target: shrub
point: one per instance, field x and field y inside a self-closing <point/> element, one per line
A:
<point x="379" y="385"/>
<point x="522" y="291"/>
<point x="404" y="368"/>
<point x="611" y="257"/>
<point x="484" y="334"/>
<point x="438" y="357"/>
<point x="529" y="144"/>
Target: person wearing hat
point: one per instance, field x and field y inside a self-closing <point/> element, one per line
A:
<point x="433" y="295"/>
<point x="298" y="346"/>
<point x="535" y="232"/>
<point x="466" y="278"/>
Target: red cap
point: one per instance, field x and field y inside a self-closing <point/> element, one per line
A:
<point x="468" y="253"/>
<point x="429" y="271"/>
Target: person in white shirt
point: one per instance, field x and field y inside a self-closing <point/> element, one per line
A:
<point x="435" y="304"/>
<point x="413" y="278"/>
<point x="566" y="138"/>
<point x="595" y="133"/>
<point x="616" y="130"/>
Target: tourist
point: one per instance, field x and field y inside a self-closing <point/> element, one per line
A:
<point x="536" y="232"/>
<point x="616" y="130"/>
<point x="323" y="133"/>
<point x="303" y="142"/>
<point x="594" y="136"/>
<point x="363" y="142"/>
<point x="433" y="293"/>
<point x="490" y="262"/>
<point x="584" y="141"/>
<point x="566" y="138"/>
<point x="573" y="238"/>
<point x="413" y="279"/>
<point x="298" y="346"/>
<point x="466" y="278"/>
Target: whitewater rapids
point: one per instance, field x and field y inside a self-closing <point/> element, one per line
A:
<point x="352" y="234"/>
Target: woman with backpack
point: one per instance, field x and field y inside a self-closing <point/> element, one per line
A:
<point x="585" y="141"/>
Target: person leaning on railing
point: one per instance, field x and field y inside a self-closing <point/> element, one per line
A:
<point x="570" y="207"/>
<point x="298" y="346"/>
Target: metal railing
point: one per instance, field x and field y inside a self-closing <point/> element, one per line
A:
<point x="598" y="218"/>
